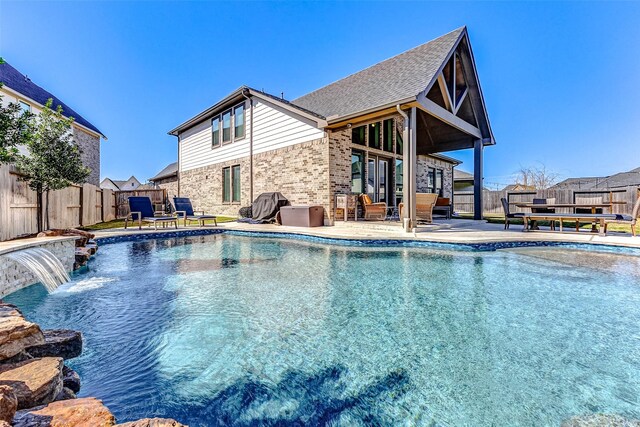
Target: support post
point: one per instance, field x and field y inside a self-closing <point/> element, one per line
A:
<point x="477" y="179"/>
<point x="414" y="165"/>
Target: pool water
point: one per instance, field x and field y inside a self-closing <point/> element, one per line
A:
<point x="232" y="330"/>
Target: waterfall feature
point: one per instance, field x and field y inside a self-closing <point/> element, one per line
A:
<point x="43" y="264"/>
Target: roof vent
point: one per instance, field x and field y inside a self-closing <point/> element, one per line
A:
<point x="27" y="78"/>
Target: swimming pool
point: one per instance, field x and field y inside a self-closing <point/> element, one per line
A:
<point x="236" y="330"/>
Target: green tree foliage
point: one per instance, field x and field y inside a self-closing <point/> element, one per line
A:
<point x="15" y="129"/>
<point x="53" y="161"/>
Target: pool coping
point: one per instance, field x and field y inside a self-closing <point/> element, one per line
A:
<point x="480" y="246"/>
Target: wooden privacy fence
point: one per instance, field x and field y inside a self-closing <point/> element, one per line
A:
<point x="74" y="206"/>
<point x="463" y="201"/>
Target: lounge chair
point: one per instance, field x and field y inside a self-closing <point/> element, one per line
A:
<point x="507" y="213"/>
<point x="443" y="206"/>
<point x="626" y="219"/>
<point x="141" y="211"/>
<point x="373" y="210"/>
<point x="424" y="207"/>
<point x="185" y="210"/>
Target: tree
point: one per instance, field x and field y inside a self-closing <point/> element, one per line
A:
<point x="53" y="162"/>
<point x="15" y="129"/>
<point x="537" y="177"/>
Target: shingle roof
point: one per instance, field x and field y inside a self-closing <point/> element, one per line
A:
<point x="169" y="170"/>
<point x="395" y="79"/>
<point x="622" y="179"/>
<point x="461" y="175"/>
<point x="15" y="80"/>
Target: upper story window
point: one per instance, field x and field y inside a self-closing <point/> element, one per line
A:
<point x="374" y="135"/>
<point x="238" y="120"/>
<point x="387" y="135"/>
<point x="215" y="132"/>
<point x="357" y="135"/>
<point x="226" y="126"/>
<point x="26" y="108"/>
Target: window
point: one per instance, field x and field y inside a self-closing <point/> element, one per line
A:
<point x="387" y="135"/>
<point x="357" y="172"/>
<point x="357" y="135"/>
<point x="231" y="184"/>
<point x="439" y="179"/>
<point x="399" y="180"/>
<point x="235" y="180"/>
<point x="226" y="126"/>
<point x="431" y="180"/>
<point x="215" y="132"/>
<point x="374" y="135"/>
<point x="238" y="120"/>
<point x="26" y="108"/>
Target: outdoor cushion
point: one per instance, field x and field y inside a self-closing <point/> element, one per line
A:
<point x="142" y="205"/>
<point x="183" y="204"/>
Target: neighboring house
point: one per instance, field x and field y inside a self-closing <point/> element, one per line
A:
<point x="167" y="178"/>
<point x="462" y="181"/>
<point x="31" y="97"/>
<point x="518" y="187"/>
<point x="377" y="131"/>
<point x="119" y="185"/>
<point x="619" y="180"/>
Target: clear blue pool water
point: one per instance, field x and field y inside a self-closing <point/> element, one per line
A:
<point x="230" y="330"/>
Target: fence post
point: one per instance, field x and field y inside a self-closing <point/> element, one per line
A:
<point x="81" y="203"/>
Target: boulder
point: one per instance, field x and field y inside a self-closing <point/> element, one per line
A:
<point x="84" y="412"/>
<point x="35" y="382"/>
<point x="64" y="343"/>
<point x="600" y="420"/>
<point x="153" y="422"/>
<point x="70" y="379"/>
<point x="65" y="394"/>
<point x="8" y="403"/>
<point x="16" y="333"/>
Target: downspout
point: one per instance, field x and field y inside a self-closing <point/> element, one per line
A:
<point x="245" y="93"/>
<point x="406" y="166"/>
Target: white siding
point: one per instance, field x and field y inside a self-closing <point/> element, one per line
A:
<point x="274" y="129"/>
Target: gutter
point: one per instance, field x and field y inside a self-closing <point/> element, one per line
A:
<point x="246" y="93"/>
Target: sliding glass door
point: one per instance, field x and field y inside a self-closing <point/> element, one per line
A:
<point x="378" y="175"/>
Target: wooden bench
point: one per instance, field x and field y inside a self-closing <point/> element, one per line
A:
<point x="580" y="217"/>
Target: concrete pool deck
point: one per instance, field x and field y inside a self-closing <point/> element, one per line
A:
<point x="441" y="231"/>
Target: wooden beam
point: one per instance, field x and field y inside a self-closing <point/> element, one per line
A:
<point x="460" y="100"/>
<point x="442" y="83"/>
<point x="437" y="111"/>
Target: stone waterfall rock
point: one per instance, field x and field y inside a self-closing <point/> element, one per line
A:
<point x="84" y="412"/>
<point x="8" y="403"/>
<point x="65" y="394"/>
<point x="16" y="333"/>
<point x="63" y="343"/>
<point x="35" y="382"/>
<point x="70" y="379"/>
<point x="153" y="422"/>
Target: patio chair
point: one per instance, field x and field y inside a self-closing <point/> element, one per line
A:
<point x="185" y="210"/>
<point x="507" y="213"/>
<point x="626" y="219"/>
<point x="141" y="210"/>
<point x="424" y="207"/>
<point x="373" y="210"/>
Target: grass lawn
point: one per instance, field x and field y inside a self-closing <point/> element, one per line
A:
<point x="499" y="219"/>
<point x="119" y="223"/>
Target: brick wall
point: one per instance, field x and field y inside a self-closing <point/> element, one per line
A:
<point x="300" y="172"/>
<point x="90" y="146"/>
<point x="424" y="163"/>
<point x="169" y="184"/>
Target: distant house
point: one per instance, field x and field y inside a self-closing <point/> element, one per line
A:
<point x="623" y="179"/>
<point x="167" y="178"/>
<point x="19" y="88"/>
<point x="119" y="185"/>
<point x="377" y="131"/>
<point x="462" y="181"/>
<point x="518" y="187"/>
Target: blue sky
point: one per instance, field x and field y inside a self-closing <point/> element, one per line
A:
<point x="561" y="80"/>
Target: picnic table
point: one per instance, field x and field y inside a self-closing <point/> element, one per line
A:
<point x="593" y="206"/>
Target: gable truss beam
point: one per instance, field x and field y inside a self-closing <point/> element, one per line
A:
<point x="446" y="116"/>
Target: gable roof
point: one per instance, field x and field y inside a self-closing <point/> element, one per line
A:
<point x="399" y="78"/>
<point x="622" y="179"/>
<point x="13" y="79"/>
<point x="460" y="175"/>
<point x="168" y="171"/>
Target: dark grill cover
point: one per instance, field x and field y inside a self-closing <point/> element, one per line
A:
<point x="267" y="205"/>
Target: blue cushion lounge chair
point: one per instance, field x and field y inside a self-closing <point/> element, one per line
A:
<point x="185" y="209"/>
<point x="142" y="211"/>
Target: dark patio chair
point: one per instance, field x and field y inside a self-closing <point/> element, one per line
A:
<point x="185" y="210"/>
<point x="507" y="213"/>
<point x="141" y="210"/>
